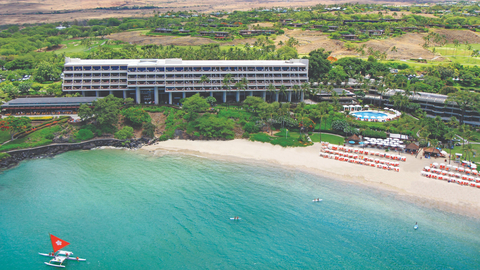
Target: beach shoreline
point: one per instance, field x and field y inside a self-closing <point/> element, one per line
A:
<point x="407" y="184"/>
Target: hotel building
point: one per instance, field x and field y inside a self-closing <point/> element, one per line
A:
<point x="435" y="105"/>
<point x="163" y="81"/>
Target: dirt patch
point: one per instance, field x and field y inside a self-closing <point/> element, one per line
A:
<point x="136" y="37"/>
<point x="460" y="35"/>
<point x="46" y="49"/>
<point x="407" y="46"/>
<point x="263" y="24"/>
<point x="158" y="119"/>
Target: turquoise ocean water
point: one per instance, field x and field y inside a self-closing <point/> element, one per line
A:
<point x="127" y="210"/>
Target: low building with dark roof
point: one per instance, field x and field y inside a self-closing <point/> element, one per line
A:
<point x="46" y="105"/>
<point x="344" y="96"/>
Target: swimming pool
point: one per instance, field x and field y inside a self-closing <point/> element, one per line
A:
<point x="369" y="115"/>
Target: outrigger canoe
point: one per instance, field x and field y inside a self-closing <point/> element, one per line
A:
<point x="59" y="256"/>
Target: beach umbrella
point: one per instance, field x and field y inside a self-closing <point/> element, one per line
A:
<point x="435" y="164"/>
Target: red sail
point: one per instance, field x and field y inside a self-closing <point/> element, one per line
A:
<point x="58" y="243"/>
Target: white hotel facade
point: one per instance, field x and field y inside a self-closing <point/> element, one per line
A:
<point x="162" y="81"/>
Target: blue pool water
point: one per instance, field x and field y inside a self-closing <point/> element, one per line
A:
<point x="128" y="210"/>
<point x="368" y="115"/>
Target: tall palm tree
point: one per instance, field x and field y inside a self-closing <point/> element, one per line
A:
<point x="227" y="82"/>
<point x="283" y="89"/>
<point x="305" y="88"/>
<point x="296" y="89"/>
<point x="204" y="79"/>
<point x="244" y="82"/>
<point x="450" y="136"/>
<point x="271" y="89"/>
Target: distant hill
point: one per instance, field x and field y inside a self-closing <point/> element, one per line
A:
<point x="39" y="11"/>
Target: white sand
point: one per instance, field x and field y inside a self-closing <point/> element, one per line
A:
<point x="407" y="183"/>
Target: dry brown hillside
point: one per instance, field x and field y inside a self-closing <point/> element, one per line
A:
<point x="16" y="11"/>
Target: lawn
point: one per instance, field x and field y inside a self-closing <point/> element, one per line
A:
<point x="458" y="149"/>
<point x="4" y="136"/>
<point x="331" y="138"/>
<point x="35" y="139"/>
<point x="326" y="137"/>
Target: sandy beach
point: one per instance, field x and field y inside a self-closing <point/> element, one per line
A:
<point x="408" y="184"/>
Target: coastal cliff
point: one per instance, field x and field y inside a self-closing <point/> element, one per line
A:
<point x="15" y="156"/>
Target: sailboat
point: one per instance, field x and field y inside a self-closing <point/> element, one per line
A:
<point x="59" y="256"/>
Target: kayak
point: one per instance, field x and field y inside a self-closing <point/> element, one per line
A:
<point x="234" y="218"/>
<point x="317" y="200"/>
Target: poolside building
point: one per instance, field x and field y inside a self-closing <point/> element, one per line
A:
<point x="434" y="105"/>
<point x="45" y="105"/>
<point x="168" y="80"/>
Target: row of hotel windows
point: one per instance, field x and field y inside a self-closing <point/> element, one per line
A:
<point x="95" y="75"/>
<point x="176" y="82"/>
<point x="117" y="87"/>
<point x="180" y="69"/>
<point x="161" y="76"/>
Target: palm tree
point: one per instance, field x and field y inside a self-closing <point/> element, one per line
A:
<point x="455" y="45"/>
<point x="305" y="87"/>
<point x="283" y="89"/>
<point x="204" y="79"/>
<point x="244" y="82"/>
<point x="296" y="89"/>
<point x="271" y="89"/>
<point x="450" y="136"/>
<point x="227" y="81"/>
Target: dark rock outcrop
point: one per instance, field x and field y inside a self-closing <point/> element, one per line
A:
<point x="57" y="148"/>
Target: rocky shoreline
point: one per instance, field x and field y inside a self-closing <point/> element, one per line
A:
<point x="16" y="156"/>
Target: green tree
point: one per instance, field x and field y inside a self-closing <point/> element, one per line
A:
<point x="211" y="100"/>
<point x="84" y="112"/>
<point x="15" y="125"/>
<point x="24" y="87"/>
<point x="11" y="90"/>
<point x="125" y="133"/>
<point x="84" y="134"/>
<point x="105" y="111"/>
<point x="149" y="129"/>
<point x="195" y="104"/>
<point x="136" y="116"/>
<point x="47" y="72"/>
<point x="318" y="65"/>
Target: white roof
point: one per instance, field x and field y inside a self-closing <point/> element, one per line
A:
<point x="179" y="62"/>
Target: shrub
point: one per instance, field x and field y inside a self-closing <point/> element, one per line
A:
<point x="84" y="134"/>
<point x="149" y="130"/>
<point x="136" y="116"/>
<point x="260" y="137"/>
<point x="250" y="127"/>
<point x="124" y="133"/>
<point x="374" y="133"/>
<point x="211" y="126"/>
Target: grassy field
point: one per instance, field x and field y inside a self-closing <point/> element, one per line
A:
<point x="4" y="136"/>
<point x="458" y="149"/>
<point x="331" y="138"/>
<point x="326" y="137"/>
<point x="461" y="54"/>
<point x="35" y="139"/>
<point x="75" y="46"/>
